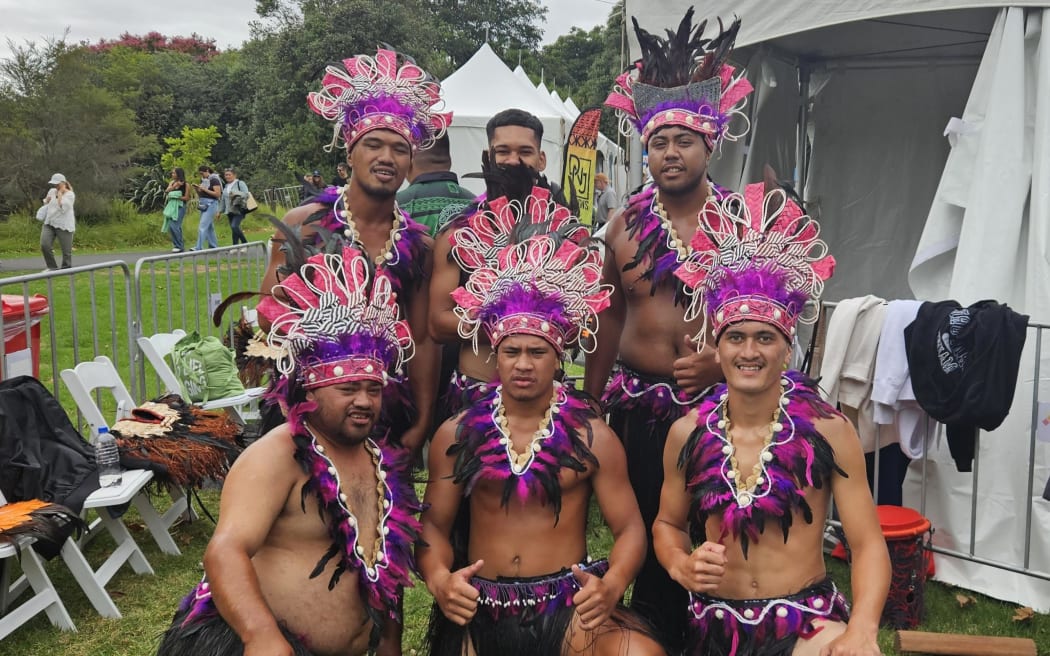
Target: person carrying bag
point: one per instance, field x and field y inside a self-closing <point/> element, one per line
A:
<point x="176" y="195"/>
<point x="56" y="213"/>
<point x="234" y="204"/>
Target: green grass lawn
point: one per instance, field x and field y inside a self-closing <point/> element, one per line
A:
<point x="124" y="231"/>
<point x="171" y="297"/>
<point x="148" y="602"/>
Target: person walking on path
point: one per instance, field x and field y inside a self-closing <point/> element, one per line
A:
<point x="209" y="192"/>
<point x="176" y="195"/>
<point x="234" y="203"/>
<point x="59" y="221"/>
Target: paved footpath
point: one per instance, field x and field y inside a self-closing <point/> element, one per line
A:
<point x="36" y="264"/>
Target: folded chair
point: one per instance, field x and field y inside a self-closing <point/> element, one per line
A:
<point x="45" y="598"/>
<point x="242" y="407"/>
<point x="81" y="381"/>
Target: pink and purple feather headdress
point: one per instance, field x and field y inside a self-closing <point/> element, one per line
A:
<point x="376" y="93"/>
<point x="682" y="80"/>
<point x="755" y="256"/>
<point x="331" y="324"/>
<point x="546" y="286"/>
<point x="502" y="221"/>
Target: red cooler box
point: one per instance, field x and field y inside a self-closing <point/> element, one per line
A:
<point x="15" y="328"/>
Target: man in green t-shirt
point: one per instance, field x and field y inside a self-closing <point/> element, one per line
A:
<point x="434" y="196"/>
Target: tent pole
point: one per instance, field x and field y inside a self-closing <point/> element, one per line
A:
<point x="634" y="172"/>
<point x="801" y="137"/>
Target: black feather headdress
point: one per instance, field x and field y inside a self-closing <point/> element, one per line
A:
<point x="683" y="79"/>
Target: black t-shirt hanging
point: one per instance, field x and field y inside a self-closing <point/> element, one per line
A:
<point x="963" y="364"/>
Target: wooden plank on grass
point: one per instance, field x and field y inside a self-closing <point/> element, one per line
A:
<point x="952" y="644"/>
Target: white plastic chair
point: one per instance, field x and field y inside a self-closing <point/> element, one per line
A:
<point x="154" y="348"/>
<point x="102" y="374"/>
<point x="45" y="598"/>
<point x="81" y="381"/>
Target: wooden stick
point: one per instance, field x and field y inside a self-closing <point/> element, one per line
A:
<point x="953" y="644"/>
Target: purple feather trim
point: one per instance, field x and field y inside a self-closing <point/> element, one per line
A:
<point x="662" y="401"/>
<point x="463" y="392"/>
<point x="480" y="455"/>
<point x="541" y="595"/>
<point x="338" y="347"/>
<point x="404" y="267"/>
<point x="198" y="603"/>
<point x="768" y="281"/>
<point x="354" y="113"/>
<point x="519" y="298"/>
<point x="380" y="583"/>
<point x="748" y="625"/>
<point x="799" y="453"/>
<point x="659" y="259"/>
<point x="709" y="113"/>
<point x="326" y="197"/>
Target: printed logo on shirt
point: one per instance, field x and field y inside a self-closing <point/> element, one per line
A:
<point x="951" y="355"/>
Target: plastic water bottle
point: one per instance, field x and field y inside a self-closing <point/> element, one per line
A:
<point x="107" y="457"/>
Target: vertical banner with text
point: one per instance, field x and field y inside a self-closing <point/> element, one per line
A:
<point x="581" y="158"/>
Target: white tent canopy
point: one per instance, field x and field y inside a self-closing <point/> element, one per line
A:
<point x="481" y="88"/>
<point x="485" y="86"/>
<point x="869" y="88"/>
<point x="611" y="157"/>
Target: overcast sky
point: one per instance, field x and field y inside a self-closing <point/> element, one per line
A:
<point x="226" y="21"/>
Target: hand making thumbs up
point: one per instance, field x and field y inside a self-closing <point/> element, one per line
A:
<point x="456" y="597"/>
<point x="595" y="601"/>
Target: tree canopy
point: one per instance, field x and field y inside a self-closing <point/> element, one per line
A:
<point x="104" y="113"/>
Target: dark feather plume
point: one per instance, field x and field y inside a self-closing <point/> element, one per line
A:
<point x="515" y="181"/>
<point x="48" y="523"/>
<point x="293" y="248"/>
<point x="719" y="49"/>
<point x="669" y="62"/>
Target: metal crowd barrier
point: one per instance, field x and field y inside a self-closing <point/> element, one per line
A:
<point x="183" y="290"/>
<point x="968" y="552"/>
<point x="287" y="197"/>
<point x="102" y="309"/>
<point x="90" y="312"/>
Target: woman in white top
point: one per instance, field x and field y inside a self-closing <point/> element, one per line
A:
<point x="58" y="222"/>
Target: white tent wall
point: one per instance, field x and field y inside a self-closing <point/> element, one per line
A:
<point x="481" y="88"/>
<point x="877" y="150"/>
<point x="614" y="163"/>
<point x="485" y="86"/>
<point x="869" y="127"/>
<point x="986" y="237"/>
<point x="771" y="139"/>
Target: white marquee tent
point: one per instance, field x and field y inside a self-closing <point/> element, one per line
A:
<point x="484" y="86"/>
<point x="910" y="213"/>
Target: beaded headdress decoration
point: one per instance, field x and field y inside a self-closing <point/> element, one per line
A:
<point x="682" y="80"/>
<point x="388" y="92"/>
<point x="756" y="257"/>
<point x="331" y="326"/>
<point x="546" y="286"/>
<point x="502" y="221"/>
